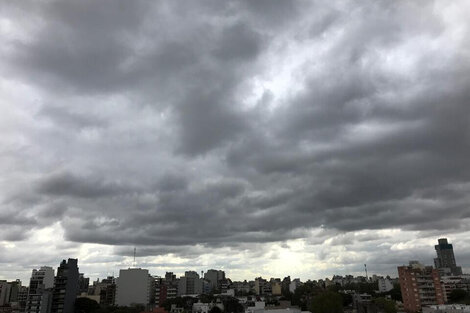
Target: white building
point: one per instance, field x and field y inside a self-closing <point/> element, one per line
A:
<point x="40" y="296"/>
<point x="294" y="284"/>
<point x="447" y="308"/>
<point x="133" y="287"/>
<point x="385" y="284"/>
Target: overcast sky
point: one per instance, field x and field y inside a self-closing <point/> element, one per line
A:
<point x="260" y="137"/>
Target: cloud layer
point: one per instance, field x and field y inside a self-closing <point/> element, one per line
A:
<point x="228" y="133"/>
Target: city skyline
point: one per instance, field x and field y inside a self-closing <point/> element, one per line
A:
<point x="264" y="138"/>
<point x="446" y="269"/>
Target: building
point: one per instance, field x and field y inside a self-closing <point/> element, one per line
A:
<point x="362" y="303"/>
<point x="83" y="283"/>
<point x="133" y="287"/>
<point x="5" y="289"/>
<point x="445" y="260"/>
<point x="276" y="287"/>
<point x="108" y="291"/>
<point x="384" y="284"/>
<point x="450" y="283"/>
<point x="262" y="286"/>
<point x="214" y="277"/>
<point x="190" y="284"/>
<point x="420" y="286"/>
<point x="448" y="308"/>
<point x="22" y="298"/>
<point x="105" y="290"/>
<point x="294" y="284"/>
<point x="39" y="298"/>
<point x="65" y="288"/>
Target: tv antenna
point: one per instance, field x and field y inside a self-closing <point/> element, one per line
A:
<point x="133" y="264"/>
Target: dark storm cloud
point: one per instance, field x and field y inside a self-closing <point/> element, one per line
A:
<point x="68" y="184"/>
<point x="216" y="124"/>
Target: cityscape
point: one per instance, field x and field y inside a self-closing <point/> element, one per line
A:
<point x="441" y="287"/>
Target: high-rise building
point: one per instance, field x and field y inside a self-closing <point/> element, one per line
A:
<point x="22" y="298"/>
<point x="5" y="289"/>
<point x="39" y="298"/>
<point x="190" y="284"/>
<point x="445" y="260"/>
<point x="83" y="283"/>
<point x="66" y="287"/>
<point x="420" y="286"/>
<point x="107" y="291"/>
<point x="133" y="286"/>
<point x="214" y="277"/>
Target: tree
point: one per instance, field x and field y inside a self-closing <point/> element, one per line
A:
<point x="347" y="299"/>
<point x="458" y="296"/>
<point x="215" y="309"/>
<point x="327" y="302"/>
<point x="388" y="306"/>
<point x="86" y="305"/>
<point x="395" y="293"/>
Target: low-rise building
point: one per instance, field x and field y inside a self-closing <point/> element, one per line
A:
<point x="447" y="308"/>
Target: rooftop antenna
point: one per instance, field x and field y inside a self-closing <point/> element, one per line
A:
<point x="365" y="267"/>
<point x="134" y="258"/>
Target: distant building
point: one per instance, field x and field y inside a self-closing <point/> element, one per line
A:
<point x="22" y="298"/>
<point x="276" y="289"/>
<point x="83" y="283"/>
<point x="447" y="308"/>
<point x="445" y="260"/>
<point x="39" y="298"/>
<point x="362" y="303"/>
<point x="108" y="291"/>
<point x="5" y="289"/>
<point x="215" y="277"/>
<point x="65" y="287"/>
<point x="133" y="287"/>
<point x="450" y="283"/>
<point x="294" y="284"/>
<point x="190" y="284"/>
<point x="420" y="286"/>
<point x="384" y="284"/>
<point x="262" y="286"/>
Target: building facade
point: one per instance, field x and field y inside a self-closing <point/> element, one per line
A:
<point x="445" y="260"/>
<point x="190" y="284"/>
<point x="420" y="286"/>
<point x="39" y="298"/>
<point x="66" y="288"/>
<point x="133" y="287"/>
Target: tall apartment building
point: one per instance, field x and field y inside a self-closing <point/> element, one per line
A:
<point x="420" y="286"/>
<point x="108" y="291"/>
<point x="5" y="289"/>
<point x="83" y="283"/>
<point x="215" y="278"/>
<point x="190" y="284"/>
<point x="66" y="287"/>
<point x="445" y="260"/>
<point x="133" y="286"/>
<point x="39" y="298"/>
